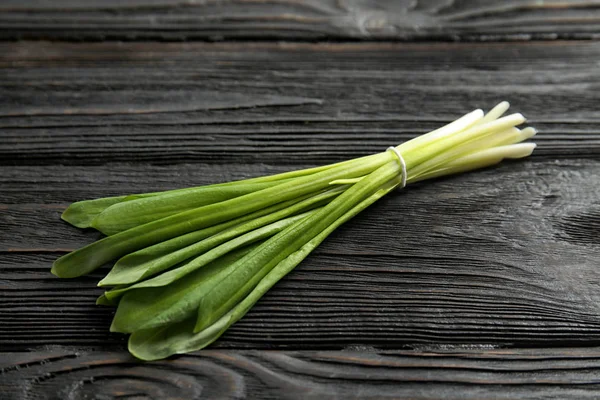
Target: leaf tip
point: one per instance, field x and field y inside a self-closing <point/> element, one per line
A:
<point x="54" y="271"/>
<point x="115" y="328"/>
<point x="104" y="283"/>
<point x="58" y="269"/>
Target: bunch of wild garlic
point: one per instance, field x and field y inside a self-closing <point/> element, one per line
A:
<point x="191" y="262"/>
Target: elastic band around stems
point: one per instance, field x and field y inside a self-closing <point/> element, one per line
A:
<point x="402" y="163"/>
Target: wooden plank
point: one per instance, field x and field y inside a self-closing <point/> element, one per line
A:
<point x="570" y="373"/>
<point x="504" y="256"/>
<point x="281" y="106"/>
<point x="85" y="104"/>
<point x="299" y="20"/>
<point x="501" y="257"/>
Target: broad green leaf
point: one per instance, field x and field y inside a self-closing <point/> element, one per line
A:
<point x="153" y="306"/>
<point x="128" y="214"/>
<point x="205" y="259"/>
<point x="177" y="338"/>
<point x="138" y="209"/>
<point x="159" y="257"/>
<point x="90" y="257"/>
<point x="82" y="213"/>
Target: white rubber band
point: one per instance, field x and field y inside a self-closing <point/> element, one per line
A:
<point x="402" y="163"/>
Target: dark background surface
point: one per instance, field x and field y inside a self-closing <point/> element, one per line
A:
<point x="483" y="285"/>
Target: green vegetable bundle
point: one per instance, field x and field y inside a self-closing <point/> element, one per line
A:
<point x="192" y="262"/>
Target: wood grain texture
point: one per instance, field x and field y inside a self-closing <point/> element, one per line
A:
<point x="568" y="373"/>
<point x="299" y="20"/>
<point x="510" y="252"/>
<point x="83" y="104"/>
<point x="504" y="256"/>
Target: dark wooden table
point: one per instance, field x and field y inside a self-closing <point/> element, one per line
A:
<point x="480" y="286"/>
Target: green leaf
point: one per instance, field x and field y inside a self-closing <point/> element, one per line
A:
<point x="159" y="257"/>
<point x="103" y="301"/>
<point x="177" y="338"/>
<point x="257" y="235"/>
<point x="82" y="213"/>
<point x="155" y="306"/>
<point x="90" y="257"/>
<point x="158" y="343"/>
<point x="138" y="209"/>
<point x="128" y="214"/>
